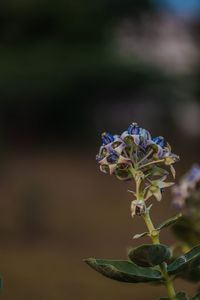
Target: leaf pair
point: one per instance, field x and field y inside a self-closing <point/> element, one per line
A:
<point x="144" y="259"/>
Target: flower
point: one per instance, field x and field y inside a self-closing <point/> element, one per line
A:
<point x="187" y="192"/>
<point x="158" y="144"/>
<point x="136" y="134"/>
<point x="109" y="156"/>
<point x="155" y="188"/>
<point x="137" y="208"/>
<point x="112" y="161"/>
<point x="135" y="150"/>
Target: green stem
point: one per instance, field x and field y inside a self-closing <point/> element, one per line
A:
<point x="145" y="157"/>
<point x="154" y="234"/>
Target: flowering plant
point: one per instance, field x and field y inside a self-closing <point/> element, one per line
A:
<point x="136" y="156"/>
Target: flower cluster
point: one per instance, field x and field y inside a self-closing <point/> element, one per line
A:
<point x="135" y="154"/>
<point x="187" y="193"/>
<point x="133" y="148"/>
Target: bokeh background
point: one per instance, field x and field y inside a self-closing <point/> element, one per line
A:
<point x="68" y="71"/>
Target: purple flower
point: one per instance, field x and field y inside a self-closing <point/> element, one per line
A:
<point x="136" y="134"/>
<point x="188" y="186"/>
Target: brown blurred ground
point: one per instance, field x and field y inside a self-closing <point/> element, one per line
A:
<point x="56" y="208"/>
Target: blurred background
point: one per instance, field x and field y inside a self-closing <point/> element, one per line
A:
<point x="68" y="71"/>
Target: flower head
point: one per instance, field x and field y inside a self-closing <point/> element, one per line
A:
<point x="135" y="150"/>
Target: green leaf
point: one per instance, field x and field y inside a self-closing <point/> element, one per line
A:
<point x="169" y="222"/>
<point x="124" y="271"/>
<point x="149" y="255"/>
<point x="139" y="235"/>
<point x="196" y="297"/>
<point x="185" y="262"/>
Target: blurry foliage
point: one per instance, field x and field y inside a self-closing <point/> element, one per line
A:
<point x="55" y="55"/>
<point x="59" y="62"/>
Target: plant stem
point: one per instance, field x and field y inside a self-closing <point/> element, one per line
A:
<point x="145" y="157"/>
<point x="154" y="234"/>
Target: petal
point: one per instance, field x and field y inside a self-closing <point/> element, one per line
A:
<point x="120" y="148"/>
<point x="159" y="140"/>
<point x="124" y="135"/>
<point x="165" y="184"/>
<point x="103" y="161"/>
<point x="149" y="195"/>
<point x="107" y="138"/>
<point x="158" y="195"/>
<point x="173" y="171"/>
<point x="133" y="129"/>
<point x="136" y="139"/>
<point x="103" y="169"/>
<point x="123" y="160"/>
<point x="112" y="168"/>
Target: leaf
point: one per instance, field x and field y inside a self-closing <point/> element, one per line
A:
<point x="124" y="271"/>
<point x="169" y="222"/>
<point x="196" y="297"/>
<point x="139" y="235"/>
<point x="185" y="262"/>
<point x="149" y="255"/>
